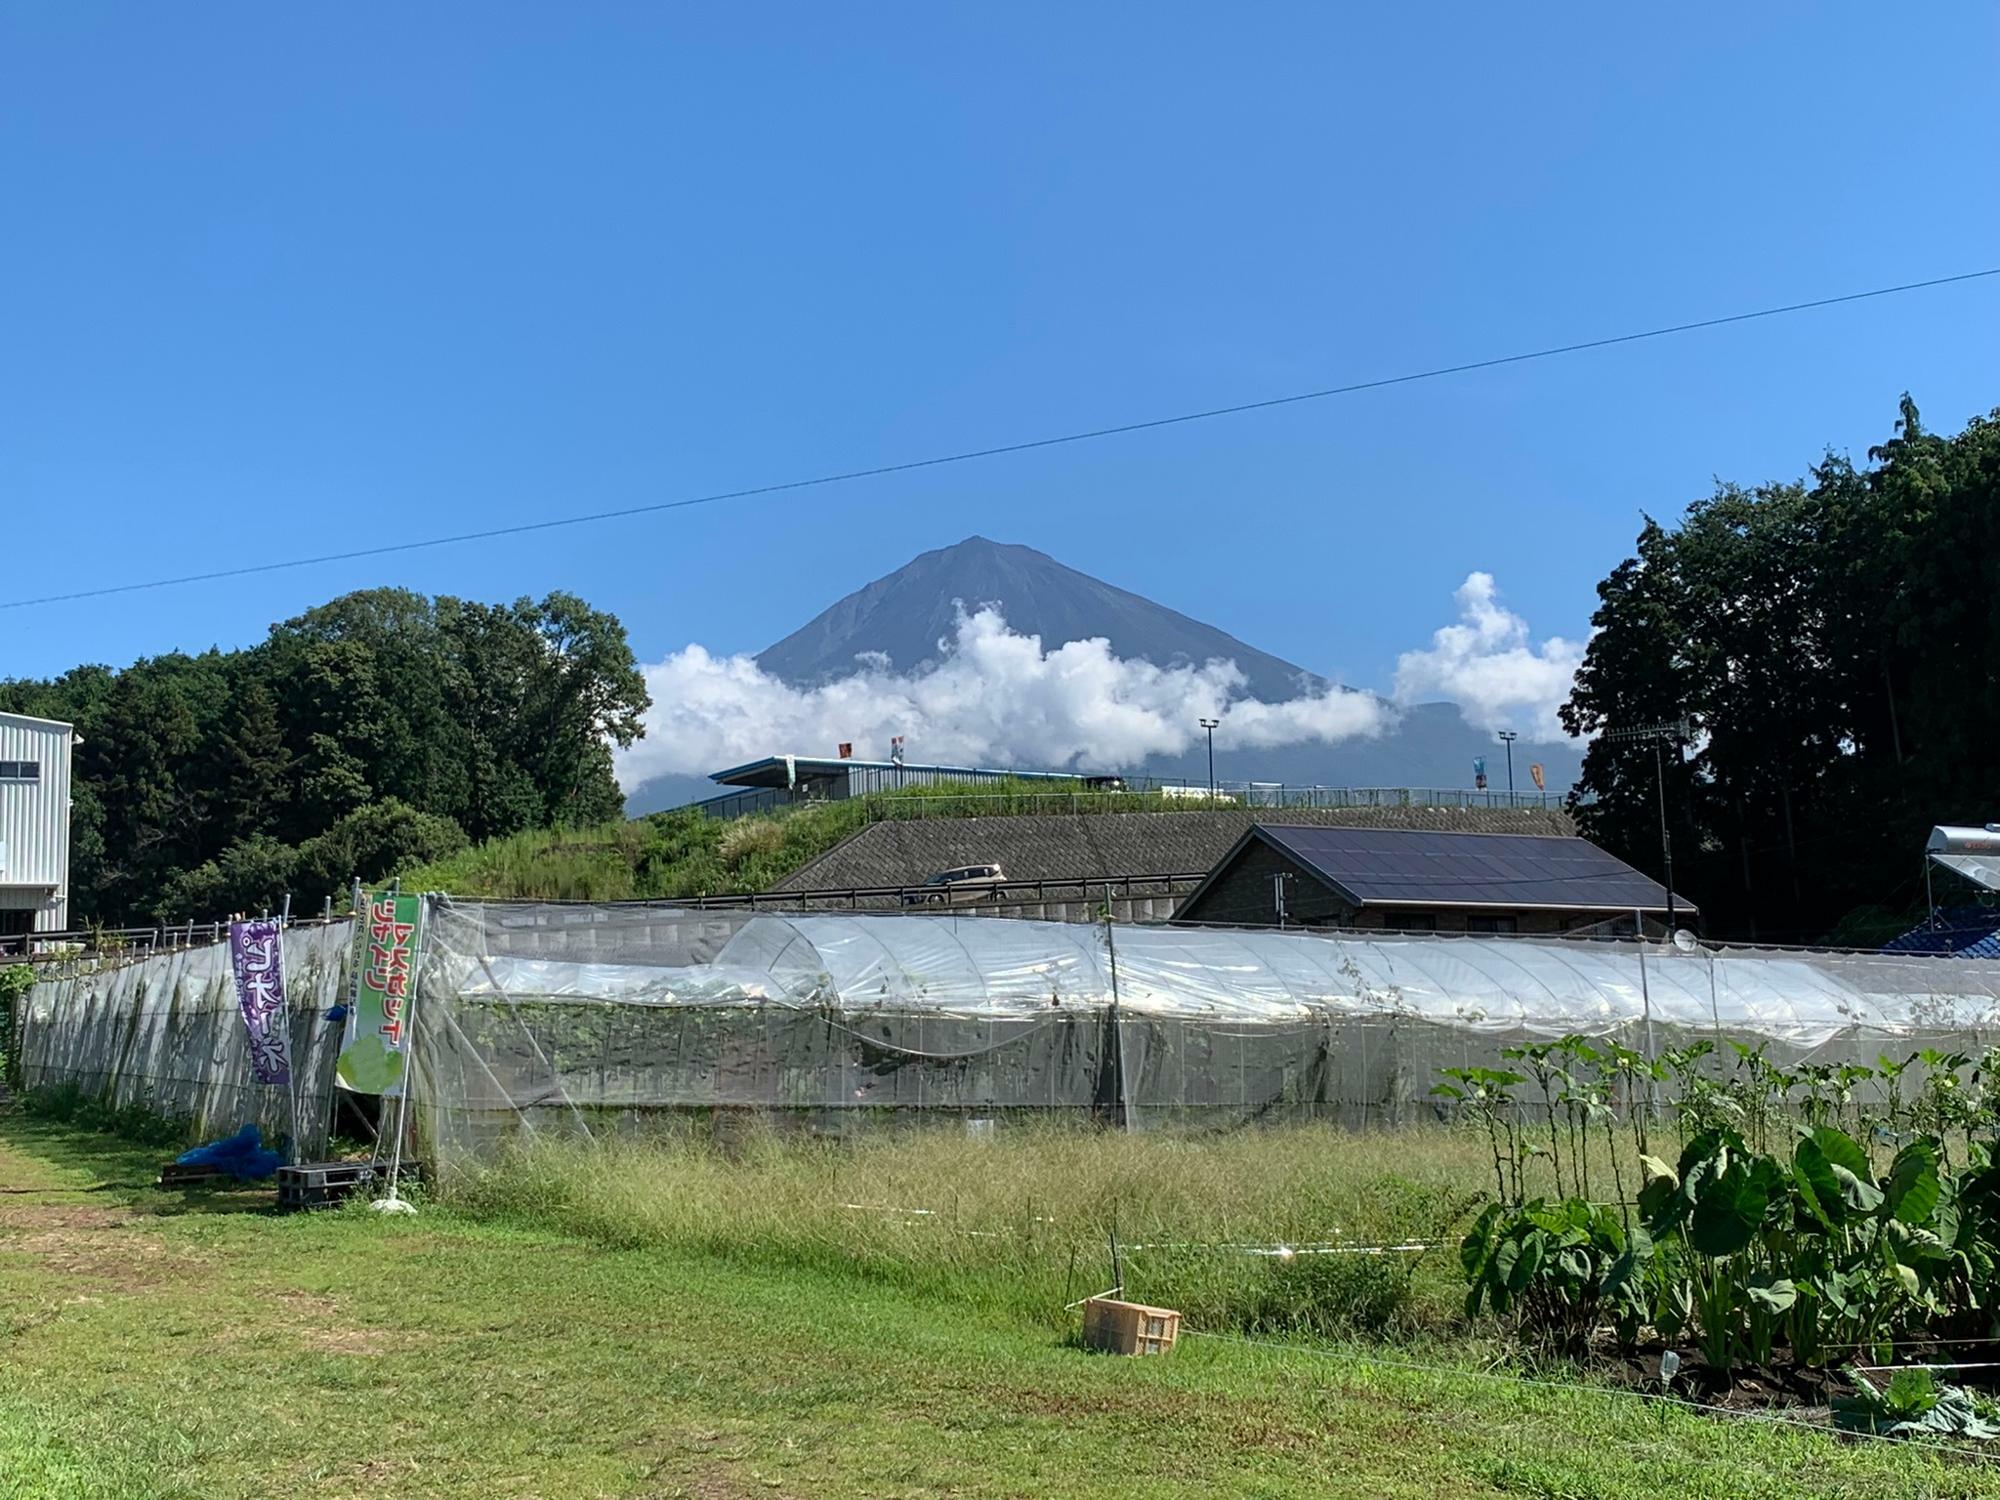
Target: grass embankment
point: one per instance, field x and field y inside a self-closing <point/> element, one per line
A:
<point x="674" y="855"/>
<point x="161" y="1346"/>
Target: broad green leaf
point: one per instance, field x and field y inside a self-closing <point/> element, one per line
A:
<point x="1506" y="1256"/>
<point x="1912" y="1189"/>
<point x="1528" y="1266"/>
<point x="1661" y="1204"/>
<point x="1729" y="1212"/>
<point x="1776" y="1293"/>
<point x="1836" y="1168"/>
<point x="1818" y="1188"/>
<point x="1842" y="1150"/>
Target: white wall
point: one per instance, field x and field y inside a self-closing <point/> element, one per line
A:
<point x="34" y="821"/>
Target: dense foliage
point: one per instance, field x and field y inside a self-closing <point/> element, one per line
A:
<point x="377" y="731"/>
<point x="1835" y="642"/>
<point x="1828" y="1212"/>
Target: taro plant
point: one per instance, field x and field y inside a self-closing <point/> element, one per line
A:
<point x="1558" y="1268"/>
<point x="1485" y="1095"/>
<point x="1811" y="1242"/>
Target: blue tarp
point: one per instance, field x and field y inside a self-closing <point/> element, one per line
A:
<point x="241" y="1155"/>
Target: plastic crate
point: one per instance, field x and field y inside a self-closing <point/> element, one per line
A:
<point x="1129" y="1327"/>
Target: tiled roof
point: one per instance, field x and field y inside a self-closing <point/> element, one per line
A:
<point x="1091" y="845"/>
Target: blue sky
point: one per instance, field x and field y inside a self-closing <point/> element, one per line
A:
<point x="274" y="281"/>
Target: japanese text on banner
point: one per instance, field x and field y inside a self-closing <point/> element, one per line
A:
<point x="378" y="1025"/>
<point x="257" y="958"/>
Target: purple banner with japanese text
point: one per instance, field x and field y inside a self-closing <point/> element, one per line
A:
<point x="257" y="955"/>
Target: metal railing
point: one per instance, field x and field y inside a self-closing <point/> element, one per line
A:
<point x="999" y="893"/>
<point x="1174" y="798"/>
<point x="38" y="947"/>
<point x="1134" y="794"/>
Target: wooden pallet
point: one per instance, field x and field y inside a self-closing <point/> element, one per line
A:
<point x="323" y="1184"/>
<point x="186" y="1175"/>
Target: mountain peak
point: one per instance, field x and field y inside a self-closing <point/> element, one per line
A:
<point x="905" y="614"/>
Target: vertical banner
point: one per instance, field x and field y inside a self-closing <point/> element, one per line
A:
<point x="1541" y="785"/>
<point x="257" y="956"/>
<point x="378" y="1023"/>
<point x="1479" y="772"/>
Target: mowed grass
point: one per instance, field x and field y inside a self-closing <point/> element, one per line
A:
<point x="167" y="1345"/>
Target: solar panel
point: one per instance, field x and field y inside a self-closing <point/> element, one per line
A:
<point x="1386" y="866"/>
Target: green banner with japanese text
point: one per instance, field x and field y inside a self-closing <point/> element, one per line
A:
<point x="376" y="1053"/>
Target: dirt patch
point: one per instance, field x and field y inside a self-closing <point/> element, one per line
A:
<point x="349" y="1340"/>
<point x="68" y="1216"/>
<point x="96" y="1245"/>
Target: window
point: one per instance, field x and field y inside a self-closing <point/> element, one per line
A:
<point x="20" y="770"/>
<point x="1410" y="921"/>
<point x="1492" y="924"/>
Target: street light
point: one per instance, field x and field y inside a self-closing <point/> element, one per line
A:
<point x="1509" y="736"/>
<point x="1677" y="731"/>
<point x="1210" y="725"/>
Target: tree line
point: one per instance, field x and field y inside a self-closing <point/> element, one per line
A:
<point x="379" y="730"/>
<point x="1835" y="642"/>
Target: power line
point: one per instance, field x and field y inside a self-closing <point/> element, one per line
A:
<point x="998" y="451"/>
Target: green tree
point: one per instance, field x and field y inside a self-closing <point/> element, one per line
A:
<point x="1833" y="638"/>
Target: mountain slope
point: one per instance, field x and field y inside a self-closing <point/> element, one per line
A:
<point x="906" y="614"/>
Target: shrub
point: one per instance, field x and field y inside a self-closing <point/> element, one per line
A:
<point x="15" y="982"/>
<point x="750" y="836"/>
<point x="1334" y="1293"/>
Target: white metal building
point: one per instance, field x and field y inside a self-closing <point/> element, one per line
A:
<point x="34" y="824"/>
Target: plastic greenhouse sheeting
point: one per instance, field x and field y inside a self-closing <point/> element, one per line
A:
<point x="576" y="1017"/>
<point x="572" y="1016"/>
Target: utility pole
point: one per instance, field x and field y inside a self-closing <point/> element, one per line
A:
<point x="1508" y="736"/>
<point x="1659" y="734"/>
<point x="1210" y="725"/>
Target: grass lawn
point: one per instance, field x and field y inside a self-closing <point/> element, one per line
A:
<point x="168" y="1344"/>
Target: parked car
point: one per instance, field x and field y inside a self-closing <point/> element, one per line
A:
<point x="956" y="887"/>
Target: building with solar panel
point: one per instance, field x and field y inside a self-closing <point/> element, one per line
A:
<point x="1413" y="880"/>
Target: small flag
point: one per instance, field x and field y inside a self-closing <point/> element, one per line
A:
<point x="1479" y="772"/>
<point x="846" y="750"/>
<point x="1535" y="772"/>
<point x="896" y="750"/>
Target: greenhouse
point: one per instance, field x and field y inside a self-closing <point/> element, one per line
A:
<point x="570" y="1017"/>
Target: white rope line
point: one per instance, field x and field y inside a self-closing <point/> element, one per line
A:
<point x="1116" y="1291"/>
<point x="1279" y="1250"/>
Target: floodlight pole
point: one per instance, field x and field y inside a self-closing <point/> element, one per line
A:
<point x="1210" y="725"/>
<point x="1508" y="736"/>
<point x="1677" y="731"/>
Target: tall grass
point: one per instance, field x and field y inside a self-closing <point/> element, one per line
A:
<point x="1022" y="1221"/>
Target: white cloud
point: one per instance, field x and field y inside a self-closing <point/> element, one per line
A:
<point x="994" y="698"/>
<point x="1488" y="666"/>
